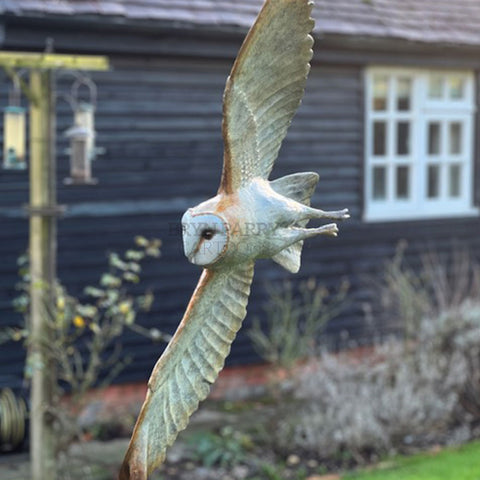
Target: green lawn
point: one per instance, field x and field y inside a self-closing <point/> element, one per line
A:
<point x="462" y="463"/>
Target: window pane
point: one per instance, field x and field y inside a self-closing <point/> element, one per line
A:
<point x="379" y="183"/>
<point x="404" y="87"/>
<point x="379" y="138"/>
<point x="454" y="180"/>
<point x="435" y="87"/>
<point x="380" y="93"/>
<point x="455" y="138"/>
<point x="456" y="86"/>
<point x="434" y="138"/>
<point x="403" y="138"/>
<point x="403" y="190"/>
<point x="433" y="186"/>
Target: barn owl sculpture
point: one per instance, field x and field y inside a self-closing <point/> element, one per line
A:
<point x="249" y="218"/>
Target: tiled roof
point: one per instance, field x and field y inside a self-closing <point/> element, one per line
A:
<point x="434" y="21"/>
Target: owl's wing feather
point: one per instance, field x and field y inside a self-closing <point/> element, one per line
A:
<point x="264" y="90"/>
<point x="190" y="364"/>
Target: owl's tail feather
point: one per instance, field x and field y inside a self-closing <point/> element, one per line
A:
<point x="298" y="187"/>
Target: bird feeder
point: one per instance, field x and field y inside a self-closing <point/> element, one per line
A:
<point x="82" y="135"/>
<point x="84" y="116"/>
<point x="84" y="111"/>
<point x="80" y="159"/>
<point x="14" y="138"/>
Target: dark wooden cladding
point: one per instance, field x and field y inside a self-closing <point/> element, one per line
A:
<point x="159" y="119"/>
<point x="476" y="136"/>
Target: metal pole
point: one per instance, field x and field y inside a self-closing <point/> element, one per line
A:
<point x="43" y="272"/>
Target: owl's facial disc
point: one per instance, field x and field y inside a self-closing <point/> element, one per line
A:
<point x="205" y="237"/>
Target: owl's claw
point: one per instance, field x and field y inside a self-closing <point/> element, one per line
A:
<point x="342" y="214"/>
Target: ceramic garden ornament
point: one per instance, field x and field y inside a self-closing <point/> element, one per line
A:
<point x="249" y="218"/>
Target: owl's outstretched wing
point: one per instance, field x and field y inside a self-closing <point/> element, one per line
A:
<point x="264" y="90"/>
<point x="190" y="364"/>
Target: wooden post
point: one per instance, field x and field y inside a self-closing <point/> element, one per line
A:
<point x="43" y="210"/>
<point x="42" y="267"/>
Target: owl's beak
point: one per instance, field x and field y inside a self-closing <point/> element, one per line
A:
<point x="189" y="247"/>
<point x="188" y="239"/>
<point x="190" y="256"/>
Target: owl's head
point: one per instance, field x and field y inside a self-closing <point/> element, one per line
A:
<point x="205" y="237"/>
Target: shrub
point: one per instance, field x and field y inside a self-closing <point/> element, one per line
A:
<point x="440" y="283"/>
<point x="410" y="392"/>
<point x="294" y="320"/>
<point x="372" y="408"/>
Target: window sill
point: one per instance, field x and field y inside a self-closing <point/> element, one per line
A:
<point x="401" y="216"/>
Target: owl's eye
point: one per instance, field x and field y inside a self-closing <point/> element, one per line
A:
<point x="206" y="240"/>
<point x="208" y="234"/>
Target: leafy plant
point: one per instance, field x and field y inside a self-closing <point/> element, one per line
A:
<point x="83" y="342"/>
<point x="226" y="448"/>
<point x="271" y="472"/>
<point x="294" y="320"/>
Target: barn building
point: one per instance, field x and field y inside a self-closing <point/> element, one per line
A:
<point x="389" y="121"/>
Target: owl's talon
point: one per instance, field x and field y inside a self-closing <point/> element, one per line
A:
<point x="344" y="214"/>
<point x="338" y="215"/>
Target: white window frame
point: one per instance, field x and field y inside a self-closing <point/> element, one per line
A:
<point x="422" y="110"/>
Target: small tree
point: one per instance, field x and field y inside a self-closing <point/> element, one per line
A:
<point x="84" y="334"/>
